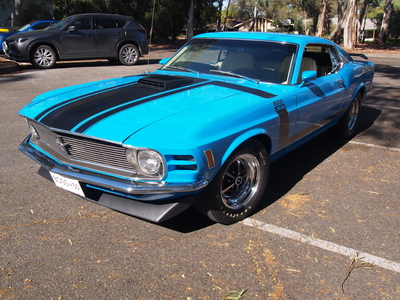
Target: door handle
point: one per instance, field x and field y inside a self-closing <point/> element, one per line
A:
<point x="341" y="83"/>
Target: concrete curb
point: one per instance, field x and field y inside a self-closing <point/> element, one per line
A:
<point x="9" y="69"/>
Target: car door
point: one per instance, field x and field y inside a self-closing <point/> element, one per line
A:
<point x="108" y="34"/>
<point x="78" y="39"/>
<point x="320" y="100"/>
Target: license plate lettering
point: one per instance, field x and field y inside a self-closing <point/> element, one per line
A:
<point x="68" y="184"/>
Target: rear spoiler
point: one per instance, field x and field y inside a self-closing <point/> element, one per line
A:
<point x="359" y="54"/>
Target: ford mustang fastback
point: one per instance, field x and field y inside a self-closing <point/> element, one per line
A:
<point x="202" y="130"/>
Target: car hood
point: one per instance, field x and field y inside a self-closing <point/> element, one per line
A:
<point x="28" y="34"/>
<point x="116" y="109"/>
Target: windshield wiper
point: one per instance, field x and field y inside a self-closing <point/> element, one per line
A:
<point x="184" y="69"/>
<point x="256" y="81"/>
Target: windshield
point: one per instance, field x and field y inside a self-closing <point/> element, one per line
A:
<point x="24" y="27"/>
<point x="258" y="60"/>
<point x="59" y="25"/>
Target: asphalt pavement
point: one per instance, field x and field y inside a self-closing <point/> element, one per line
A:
<point x="328" y="227"/>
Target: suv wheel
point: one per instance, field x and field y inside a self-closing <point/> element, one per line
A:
<point x="128" y="55"/>
<point x="43" y="57"/>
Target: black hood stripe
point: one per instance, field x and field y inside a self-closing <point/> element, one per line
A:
<point x="104" y="103"/>
<point x="107" y="114"/>
<point x="245" y="89"/>
<point x="71" y="114"/>
<point x="91" y="122"/>
<point x="61" y="104"/>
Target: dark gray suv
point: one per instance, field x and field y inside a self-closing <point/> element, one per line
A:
<point x="83" y="36"/>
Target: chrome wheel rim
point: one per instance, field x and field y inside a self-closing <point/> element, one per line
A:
<point x="240" y="181"/>
<point x="43" y="57"/>
<point x="129" y="55"/>
<point x="353" y="115"/>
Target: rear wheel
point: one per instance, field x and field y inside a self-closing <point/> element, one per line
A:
<point x="43" y="57"/>
<point x="128" y="55"/>
<point x="346" y="127"/>
<point x="238" y="187"/>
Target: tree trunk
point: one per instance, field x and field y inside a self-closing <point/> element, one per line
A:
<point x="335" y="34"/>
<point x="220" y="3"/>
<point x="189" y="33"/>
<point x="361" y="20"/>
<point x="385" y="22"/>
<point x="350" y="26"/>
<point x="322" y="18"/>
<point x="227" y="10"/>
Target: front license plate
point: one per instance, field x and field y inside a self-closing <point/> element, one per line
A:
<point x="71" y="185"/>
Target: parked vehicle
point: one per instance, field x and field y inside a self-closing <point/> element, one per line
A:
<point x="202" y="129"/>
<point x="84" y="36"/>
<point x="34" y="25"/>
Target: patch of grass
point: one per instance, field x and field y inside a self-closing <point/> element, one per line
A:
<point x="234" y="295"/>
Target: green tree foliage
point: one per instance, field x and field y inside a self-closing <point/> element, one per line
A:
<point x="394" y="29"/>
<point x="38" y="9"/>
<point x="170" y="16"/>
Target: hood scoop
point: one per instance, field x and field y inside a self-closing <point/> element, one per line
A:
<point x="163" y="82"/>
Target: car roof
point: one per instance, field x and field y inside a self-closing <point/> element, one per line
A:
<point x="266" y="36"/>
<point x="41" y="21"/>
<point x="100" y="14"/>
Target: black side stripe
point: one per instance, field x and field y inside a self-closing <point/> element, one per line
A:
<point x="316" y="90"/>
<point x="284" y="138"/>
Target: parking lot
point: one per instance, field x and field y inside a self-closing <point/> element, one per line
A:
<point x="328" y="227"/>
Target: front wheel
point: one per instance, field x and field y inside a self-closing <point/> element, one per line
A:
<point x="43" y="57"/>
<point x="238" y="186"/>
<point x="128" y="55"/>
<point x="346" y="127"/>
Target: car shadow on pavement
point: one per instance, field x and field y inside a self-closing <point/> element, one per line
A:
<point x="89" y="63"/>
<point x="388" y="71"/>
<point x="284" y="174"/>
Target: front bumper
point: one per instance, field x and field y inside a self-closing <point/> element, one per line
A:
<point x="11" y="51"/>
<point x="153" y="201"/>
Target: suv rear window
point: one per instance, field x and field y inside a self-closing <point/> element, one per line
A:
<point x="106" y="22"/>
<point x="122" y="22"/>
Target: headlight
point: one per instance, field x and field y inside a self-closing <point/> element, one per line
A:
<point x="149" y="161"/>
<point x="21" y="40"/>
<point x="146" y="162"/>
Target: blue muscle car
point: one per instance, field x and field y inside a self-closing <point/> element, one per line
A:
<point x="202" y="129"/>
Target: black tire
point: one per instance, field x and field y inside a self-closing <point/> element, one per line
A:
<point x="238" y="186"/>
<point x="128" y="55"/>
<point x="347" y="125"/>
<point x="43" y="57"/>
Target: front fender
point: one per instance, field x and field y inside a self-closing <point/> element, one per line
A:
<point x="242" y="138"/>
<point x="51" y="44"/>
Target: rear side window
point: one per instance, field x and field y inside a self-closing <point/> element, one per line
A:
<point x="105" y="22"/>
<point x="326" y="58"/>
<point x="121" y="22"/>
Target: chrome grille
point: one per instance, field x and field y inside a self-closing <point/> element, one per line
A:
<point x="82" y="149"/>
<point x="99" y="152"/>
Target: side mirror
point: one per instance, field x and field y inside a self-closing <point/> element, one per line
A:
<point x="308" y="75"/>
<point x="163" y="61"/>
<point x="71" y="28"/>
